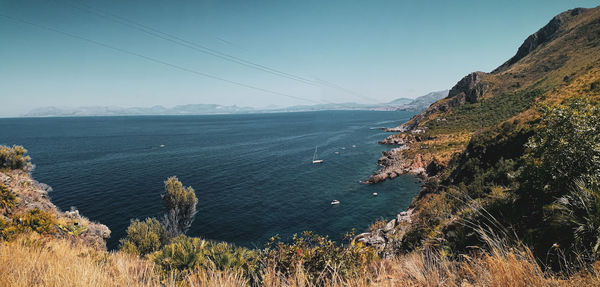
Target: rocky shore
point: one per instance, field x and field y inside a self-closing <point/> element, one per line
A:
<point x="398" y="161"/>
<point x="411" y="155"/>
<point x="401" y="159"/>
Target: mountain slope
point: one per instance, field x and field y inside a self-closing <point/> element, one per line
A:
<point x="480" y="150"/>
<point x="400" y="101"/>
<point x="423" y="102"/>
<point x="559" y="61"/>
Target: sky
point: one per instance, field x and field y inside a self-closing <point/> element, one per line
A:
<point x="71" y="53"/>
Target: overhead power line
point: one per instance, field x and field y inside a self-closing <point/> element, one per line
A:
<point x="155" y="60"/>
<point x="207" y="50"/>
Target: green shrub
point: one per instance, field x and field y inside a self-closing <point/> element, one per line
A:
<point x="7" y="230"/>
<point x="37" y="220"/>
<point x="320" y="257"/>
<point x="188" y="253"/>
<point x="14" y="158"/>
<point x="144" y="237"/>
<point x="580" y="210"/>
<point x="565" y="148"/>
<point x="180" y="204"/>
<point x="8" y="199"/>
<point x="34" y="220"/>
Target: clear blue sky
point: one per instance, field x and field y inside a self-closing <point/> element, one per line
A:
<point x="379" y="49"/>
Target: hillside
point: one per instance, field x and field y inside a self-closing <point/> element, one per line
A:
<point x="506" y="149"/>
<point x="558" y="62"/>
<point x="417" y="104"/>
<point x="400" y="102"/>
<point x="423" y="102"/>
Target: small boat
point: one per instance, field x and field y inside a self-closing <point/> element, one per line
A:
<point x="337" y="152"/>
<point x="353" y="145"/>
<point x="162" y="145"/>
<point x="374" y="193"/>
<point x="315" y="160"/>
<point x="343" y="147"/>
<point x="335" y="202"/>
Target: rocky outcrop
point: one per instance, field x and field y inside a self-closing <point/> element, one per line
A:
<point x="468" y="90"/>
<point x="34" y="195"/>
<point x="384" y="238"/>
<point x="398" y="161"/>
<point x="395" y="162"/>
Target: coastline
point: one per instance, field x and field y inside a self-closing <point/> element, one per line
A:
<point x="402" y="158"/>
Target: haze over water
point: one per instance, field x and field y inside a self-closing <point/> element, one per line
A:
<point x="252" y="174"/>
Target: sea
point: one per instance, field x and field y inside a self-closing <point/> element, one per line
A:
<point x="252" y="173"/>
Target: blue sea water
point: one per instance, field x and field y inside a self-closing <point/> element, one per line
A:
<point x="253" y="174"/>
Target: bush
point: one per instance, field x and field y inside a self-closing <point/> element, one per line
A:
<point x="565" y="148"/>
<point x="34" y="220"/>
<point x="14" y="158"/>
<point x="7" y="230"/>
<point x="319" y="257"/>
<point x="580" y="210"/>
<point x="188" y="253"/>
<point x="37" y="220"/>
<point x="8" y="199"/>
<point x="180" y="203"/>
<point x="144" y="237"/>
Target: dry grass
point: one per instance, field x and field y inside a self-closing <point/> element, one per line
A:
<point x="37" y="261"/>
<point x="33" y="260"/>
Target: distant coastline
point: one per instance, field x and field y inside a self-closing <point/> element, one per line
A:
<point x="401" y="104"/>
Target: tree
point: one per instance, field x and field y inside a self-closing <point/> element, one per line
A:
<point x="180" y="204"/>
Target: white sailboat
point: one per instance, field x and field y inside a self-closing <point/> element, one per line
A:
<point x="315" y="160"/>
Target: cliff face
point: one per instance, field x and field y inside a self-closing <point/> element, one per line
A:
<point x="558" y="62"/>
<point x="468" y="90"/>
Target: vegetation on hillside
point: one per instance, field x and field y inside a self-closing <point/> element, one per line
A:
<point x="14" y="157"/>
<point x="524" y="181"/>
<point x="35" y="260"/>
<point x="485" y="113"/>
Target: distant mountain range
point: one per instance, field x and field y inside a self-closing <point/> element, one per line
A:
<point x="418" y="104"/>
